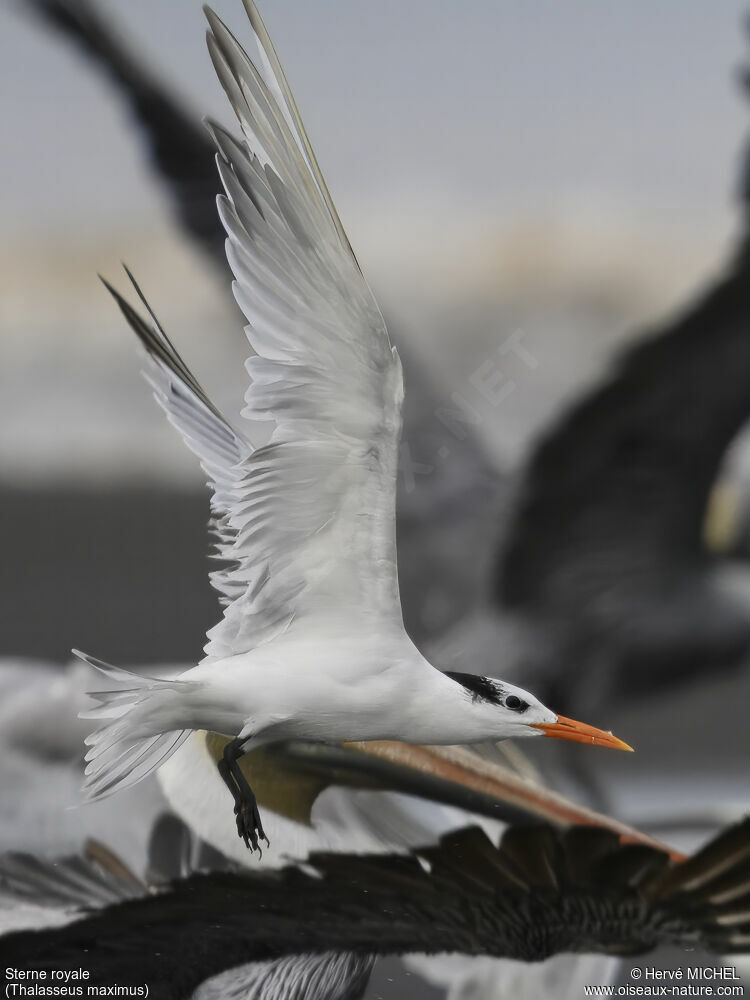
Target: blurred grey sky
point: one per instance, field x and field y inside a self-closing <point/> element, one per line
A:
<point x="566" y="168"/>
<point x="430" y="117"/>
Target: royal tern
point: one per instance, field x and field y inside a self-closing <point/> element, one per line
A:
<point x="443" y="519"/>
<point x="539" y="892"/>
<point x="312" y="644"/>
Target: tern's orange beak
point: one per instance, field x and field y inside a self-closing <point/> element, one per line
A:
<point x="579" y="732"/>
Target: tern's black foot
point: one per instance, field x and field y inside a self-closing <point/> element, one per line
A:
<point x="249" y="825"/>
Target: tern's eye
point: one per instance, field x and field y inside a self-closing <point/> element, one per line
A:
<point x="514" y="703"/>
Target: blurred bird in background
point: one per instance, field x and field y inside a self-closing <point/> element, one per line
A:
<point x="537" y="893"/>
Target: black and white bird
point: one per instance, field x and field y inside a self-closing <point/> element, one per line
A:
<point x="312" y="643"/>
<point x="537" y="893"/>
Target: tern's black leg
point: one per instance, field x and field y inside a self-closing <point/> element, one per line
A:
<point x="249" y="825"/>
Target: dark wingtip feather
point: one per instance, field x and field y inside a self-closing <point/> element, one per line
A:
<point x="155" y="340"/>
<point x="725" y="854"/>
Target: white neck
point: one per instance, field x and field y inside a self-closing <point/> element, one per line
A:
<point x="440" y="711"/>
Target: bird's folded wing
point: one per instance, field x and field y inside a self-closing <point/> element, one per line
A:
<point x="305" y="524"/>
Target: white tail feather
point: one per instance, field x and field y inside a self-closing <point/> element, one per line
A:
<point x="137" y="737"/>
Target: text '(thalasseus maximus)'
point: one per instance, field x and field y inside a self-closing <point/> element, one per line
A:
<point x="312" y="643"/>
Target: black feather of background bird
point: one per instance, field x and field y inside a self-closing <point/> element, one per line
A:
<point x="98" y="878"/>
<point x="540" y="892"/>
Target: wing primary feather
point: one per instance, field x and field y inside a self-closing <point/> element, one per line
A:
<point x="157" y="343"/>
<point x="148" y="308"/>
<point x="286" y="91"/>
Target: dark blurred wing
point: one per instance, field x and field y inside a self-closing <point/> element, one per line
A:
<point x="614" y="499"/>
<point x="540" y="892"/>
<point x="618" y="489"/>
<point x="178" y="146"/>
<point x="615" y="495"/>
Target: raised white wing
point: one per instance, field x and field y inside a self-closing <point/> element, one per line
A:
<point x="307" y="522"/>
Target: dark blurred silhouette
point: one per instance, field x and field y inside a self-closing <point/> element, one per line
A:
<point x="607" y="541"/>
